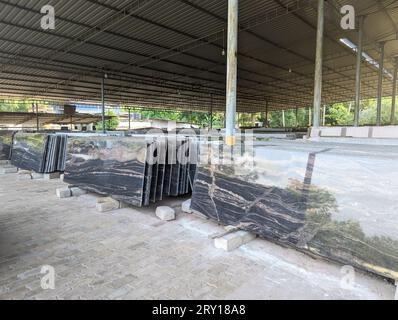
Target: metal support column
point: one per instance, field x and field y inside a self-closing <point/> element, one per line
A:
<point x="319" y="64"/>
<point x="358" y="72"/>
<point x="103" y="103"/>
<point x="380" y="85"/>
<point x="37" y="118"/>
<point x="394" y="92"/>
<point x="211" y="112"/>
<point x="129" y="119"/>
<point x="297" y="119"/>
<point x="232" y="70"/>
<point x="266" y="113"/>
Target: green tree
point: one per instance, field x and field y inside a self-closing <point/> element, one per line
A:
<point x="201" y="119"/>
<point x="111" y="124"/>
<point x="339" y="115"/>
<point x="14" y="106"/>
<point x="368" y="115"/>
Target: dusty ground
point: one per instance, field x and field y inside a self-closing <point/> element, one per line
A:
<point x="130" y="254"/>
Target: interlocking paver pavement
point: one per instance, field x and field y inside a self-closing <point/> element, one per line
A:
<point x="130" y="254"/>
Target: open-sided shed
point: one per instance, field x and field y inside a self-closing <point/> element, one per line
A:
<point x="173" y="53"/>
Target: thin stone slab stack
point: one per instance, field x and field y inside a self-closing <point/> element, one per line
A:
<point x="334" y="200"/>
<point x="55" y="153"/>
<point x="136" y="170"/>
<point x="61" y="153"/>
<point x="6" y="140"/>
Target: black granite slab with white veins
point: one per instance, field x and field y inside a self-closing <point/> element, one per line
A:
<point x="112" y="166"/>
<point x="6" y="140"/>
<point x="338" y="201"/>
<point x="39" y="152"/>
<point x="28" y="152"/>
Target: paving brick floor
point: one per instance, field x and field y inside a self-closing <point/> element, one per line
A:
<point x="130" y="254"/>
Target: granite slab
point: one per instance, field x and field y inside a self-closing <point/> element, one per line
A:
<point x="337" y="201"/>
<point x="39" y="152"/>
<point x="161" y="169"/>
<point x="6" y="141"/>
<point x="93" y="163"/>
<point x="28" y="152"/>
<point x="111" y="166"/>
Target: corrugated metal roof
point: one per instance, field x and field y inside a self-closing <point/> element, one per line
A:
<point x="168" y="53"/>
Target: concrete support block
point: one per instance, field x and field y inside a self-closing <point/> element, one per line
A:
<point x="165" y="213"/>
<point x="124" y="205"/>
<point x="8" y="169"/>
<point x="37" y="176"/>
<point x="61" y="177"/>
<point x="233" y="240"/>
<point x="5" y="162"/>
<point x="51" y="176"/>
<point x="24" y="175"/>
<point x="77" y="192"/>
<point x="107" y="204"/>
<point x="186" y="206"/>
<point x="63" y="193"/>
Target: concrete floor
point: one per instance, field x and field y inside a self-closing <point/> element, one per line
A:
<point x="130" y="254"/>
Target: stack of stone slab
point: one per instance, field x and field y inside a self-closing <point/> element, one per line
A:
<point x="136" y="170"/>
<point x="39" y="152"/>
<point x="55" y="153"/>
<point x="334" y="200"/>
<point x="6" y="140"/>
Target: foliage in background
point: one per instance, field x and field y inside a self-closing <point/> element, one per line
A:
<point x="201" y="119"/>
<point x="342" y="114"/>
<point x="276" y="118"/>
<point x="110" y="125"/>
<point x="339" y="114"/>
<point x="15" y="106"/>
